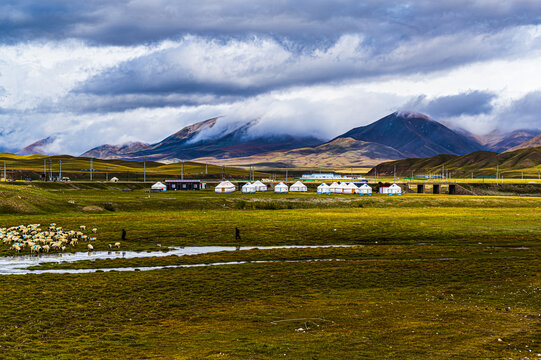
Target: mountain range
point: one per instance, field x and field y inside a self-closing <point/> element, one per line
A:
<point x="396" y="136"/>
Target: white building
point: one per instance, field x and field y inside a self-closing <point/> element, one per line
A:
<point x="323" y="189"/>
<point x="248" y="188"/>
<point x="335" y="188"/>
<point x="259" y="186"/>
<point x="350" y="188"/>
<point x="298" y="187"/>
<point x="391" y="190"/>
<point x="158" y="187"/>
<point x="394" y="190"/>
<point x="364" y="189"/>
<point x="225" y="187"/>
<point x="281" y="188"/>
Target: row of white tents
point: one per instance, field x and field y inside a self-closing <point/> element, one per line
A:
<point x="279" y="188"/>
<point x="344" y="188"/>
<point x="334" y="188"/>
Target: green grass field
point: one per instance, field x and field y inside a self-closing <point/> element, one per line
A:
<point x="430" y="276"/>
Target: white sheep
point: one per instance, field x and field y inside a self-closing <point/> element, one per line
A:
<point x="117" y="245"/>
<point x="82" y="227"/>
<point x="90" y="247"/>
<point x="94" y="231"/>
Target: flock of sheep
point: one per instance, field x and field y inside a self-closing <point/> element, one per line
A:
<point x="55" y="238"/>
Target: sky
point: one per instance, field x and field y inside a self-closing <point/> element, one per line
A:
<point x="97" y="71"/>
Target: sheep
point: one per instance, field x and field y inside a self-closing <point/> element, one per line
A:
<point x="16" y="247"/>
<point x="109" y="246"/>
<point x="117" y="245"/>
<point x="82" y="227"/>
<point x="35" y="249"/>
<point x="94" y="231"/>
<point x="90" y="247"/>
<point x="46" y="248"/>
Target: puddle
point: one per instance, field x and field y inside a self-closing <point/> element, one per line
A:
<point x="19" y="264"/>
<point x="148" y="268"/>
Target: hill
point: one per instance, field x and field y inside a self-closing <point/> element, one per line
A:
<point x="20" y="167"/>
<point x="336" y="153"/>
<point x="480" y="163"/>
<point x="414" y="135"/>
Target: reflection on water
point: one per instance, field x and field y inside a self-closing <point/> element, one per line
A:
<point x="19" y="264"/>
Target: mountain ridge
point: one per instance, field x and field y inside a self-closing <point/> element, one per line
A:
<point x="415" y="135"/>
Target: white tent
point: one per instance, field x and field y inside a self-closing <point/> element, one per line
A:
<point x="335" y="188"/>
<point x="364" y="189"/>
<point x="281" y="188"/>
<point x="323" y="189"/>
<point x="158" y="187"/>
<point x="225" y="187"/>
<point x="394" y="190"/>
<point x="248" y="188"/>
<point x="350" y="188"/>
<point x="259" y="186"/>
<point x="114" y="179"/>
<point x="298" y="187"/>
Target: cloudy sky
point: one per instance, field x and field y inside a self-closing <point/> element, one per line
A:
<point x="99" y="71"/>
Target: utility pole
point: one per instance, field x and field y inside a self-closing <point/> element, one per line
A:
<point x="5" y="179"/>
<point x="223" y="173"/>
<point x="497" y="174"/>
<point x="144" y="171"/>
<point x="206" y="168"/>
<point x="394" y="174"/>
<point x="107" y="173"/>
<point x="60" y="170"/>
<point x="51" y="160"/>
<point x="91" y="169"/>
<point x="442" y="172"/>
<point x="44" y="169"/>
<point x="182" y="170"/>
<point x="286" y="175"/>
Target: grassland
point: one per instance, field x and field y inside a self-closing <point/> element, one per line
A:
<point x="20" y="167"/>
<point x="431" y="276"/>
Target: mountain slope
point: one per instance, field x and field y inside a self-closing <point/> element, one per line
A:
<point x="480" y="163"/>
<point x="499" y="142"/>
<point x="114" y="151"/>
<point x="414" y="135"/>
<point x="209" y="138"/>
<point x="533" y="142"/>
<point x="38" y="147"/>
<point x="338" y="152"/>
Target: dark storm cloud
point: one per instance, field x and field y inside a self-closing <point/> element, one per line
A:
<point x="470" y="103"/>
<point x="256" y="65"/>
<point x="522" y="113"/>
<point x="307" y="21"/>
